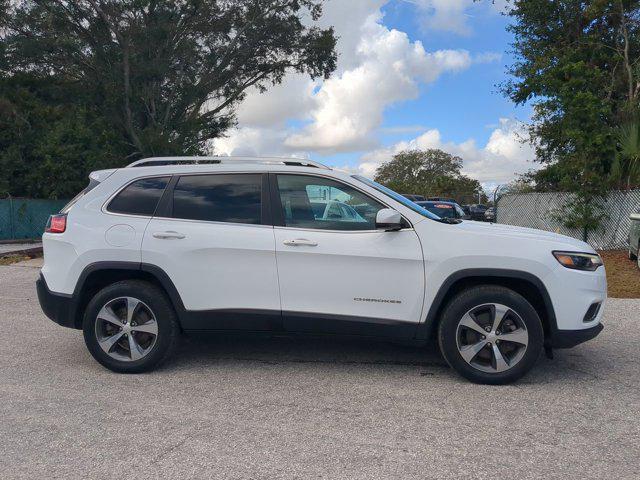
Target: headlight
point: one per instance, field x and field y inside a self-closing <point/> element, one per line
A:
<point x="579" y="261"/>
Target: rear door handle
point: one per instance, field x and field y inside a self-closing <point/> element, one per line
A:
<point x="170" y="235"/>
<point x="300" y="242"/>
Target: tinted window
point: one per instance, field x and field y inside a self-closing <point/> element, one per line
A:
<point x="140" y="197"/>
<point x="443" y="210"/>
<point x="92" y="184"/>
<point x="219" y="198"/>
<point x="314" y="202"/>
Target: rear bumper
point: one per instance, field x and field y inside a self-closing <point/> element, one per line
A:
<point x="58" y="307"/>
<point x="571" y="338"/>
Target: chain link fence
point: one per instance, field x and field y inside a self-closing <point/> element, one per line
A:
<point x="542" y="211"/>
<point x="25" y="218"/>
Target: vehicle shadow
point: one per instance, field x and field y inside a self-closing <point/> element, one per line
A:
<point x="203" y="350"/>
<point x="208" y="348"/>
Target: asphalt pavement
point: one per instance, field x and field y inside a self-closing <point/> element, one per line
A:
<point x="239" y="407"/>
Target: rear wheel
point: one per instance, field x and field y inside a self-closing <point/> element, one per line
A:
<point x="130" y="327"/>
<point x="632" y="256"/>
<point x="490" y="334"/>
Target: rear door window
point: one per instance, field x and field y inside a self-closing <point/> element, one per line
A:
<point x="140" y="197"/>
<point x="230" y="198"/>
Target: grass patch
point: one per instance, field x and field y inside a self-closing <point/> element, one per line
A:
<point x="623" y="275"/>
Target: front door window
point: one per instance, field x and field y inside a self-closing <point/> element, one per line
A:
<point x="320" y="203"/>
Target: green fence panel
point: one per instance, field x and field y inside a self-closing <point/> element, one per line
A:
<point x="26" y="217"/>
<point x="6" y="228"/>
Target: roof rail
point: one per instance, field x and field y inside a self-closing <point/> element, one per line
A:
<point x="162" y="161"/>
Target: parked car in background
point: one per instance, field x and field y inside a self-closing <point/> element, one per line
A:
<point x="634" y="236"/>
<point x="414" y="198"/>
<point x="490" y="214"/>
<point x="445" y="209"/>
<point x="442" y="199"/>
<point x="477" y="212"/>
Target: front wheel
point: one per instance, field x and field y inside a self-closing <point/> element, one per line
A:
<point x="632" y="256"/>
<point x="130" y="327"/>
<point x="490" y="334"/>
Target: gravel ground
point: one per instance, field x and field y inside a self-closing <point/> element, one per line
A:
<point x="243" y="407"/>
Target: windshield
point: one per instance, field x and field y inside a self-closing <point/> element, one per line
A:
<point x="443" y="210"/>
<point x="397" y="197"/>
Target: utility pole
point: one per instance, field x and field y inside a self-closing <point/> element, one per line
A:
<point x="495" y="195"/>
<point x="495" y="203"/>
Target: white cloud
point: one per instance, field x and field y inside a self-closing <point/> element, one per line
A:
<point x="452" y="15"/>
<point x="448" y="15"/>
<point x="377" y="67"/>
<point x="350" y="106"/>
<point x="505" y="155"/>
<point x="487" y="57"/>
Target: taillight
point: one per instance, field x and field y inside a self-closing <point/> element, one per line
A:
<point x="57" y="223"/>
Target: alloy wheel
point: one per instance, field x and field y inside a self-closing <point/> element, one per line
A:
<point x="492" y="338"/>
<point x="126" y="329"/>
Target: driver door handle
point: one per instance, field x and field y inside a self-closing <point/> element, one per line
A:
<point x="300" y="242"/>
<point x="170" y="235"/>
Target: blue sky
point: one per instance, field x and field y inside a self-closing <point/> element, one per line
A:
<point x="411" y="74"/>
<point x="465" y="104"/>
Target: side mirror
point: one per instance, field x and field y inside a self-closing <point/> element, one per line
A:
<point x="388" y="219"/>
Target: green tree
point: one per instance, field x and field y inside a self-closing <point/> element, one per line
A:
<point x="162" y="76"/>
<point x="626" y="166"/>
<point x="49" y="140"/>
<point x="429" y="172"/>
<point x="578" y="62"/>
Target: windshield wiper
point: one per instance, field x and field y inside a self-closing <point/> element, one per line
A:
<point x="450" y="221"/>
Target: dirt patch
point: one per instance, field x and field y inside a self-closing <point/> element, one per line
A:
<point x="623" y="275"/>
<point x="11" y="259"/>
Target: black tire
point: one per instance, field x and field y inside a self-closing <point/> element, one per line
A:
<point x="167" y="325"/>
<point x="632" y="256"/>
<point x="475" y="297"/>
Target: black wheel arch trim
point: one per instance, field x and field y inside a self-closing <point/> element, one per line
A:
<point x="427" y="328"/>
<point x="75" y="300"/>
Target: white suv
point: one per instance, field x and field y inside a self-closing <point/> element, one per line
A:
<point x="284" y="245"/>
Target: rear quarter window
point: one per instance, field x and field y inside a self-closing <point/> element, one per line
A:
<point x="140" y="197"/>
<point x="92" y="184"/>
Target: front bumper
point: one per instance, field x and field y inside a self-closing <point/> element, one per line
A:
<point x="571" y="338"/>
<point x="58" y="307"/>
